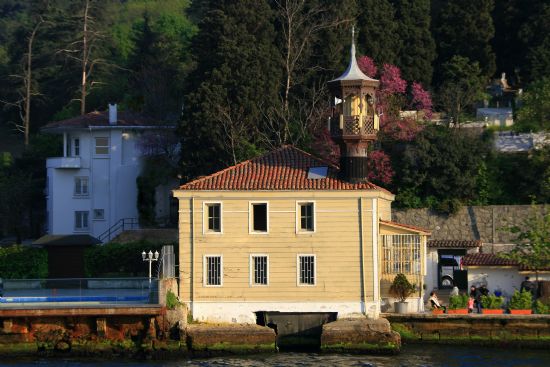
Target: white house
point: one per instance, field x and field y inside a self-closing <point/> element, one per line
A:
<point x="92" y="188"/>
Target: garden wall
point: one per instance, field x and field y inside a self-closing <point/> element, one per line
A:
<point x="485" y="223"/>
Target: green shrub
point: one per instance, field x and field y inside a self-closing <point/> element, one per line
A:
<point x="401" y="288"/>
<point x="542" y="308"/>
<point x="171" y="300"/>
<point x="492" y="302"/>
<point x="459" y="301"/>
<point x="119" y="259"/>
<point x="21" y="262"/>
<point x="521" y="300"/>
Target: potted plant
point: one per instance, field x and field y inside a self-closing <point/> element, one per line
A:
<point x="458" y="304"/>
<point x="491" y="304"/>
<point x="401" y="288"/>
<point x="521" y="303"/>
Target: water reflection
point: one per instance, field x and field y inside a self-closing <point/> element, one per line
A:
<point x="411" y="356"/>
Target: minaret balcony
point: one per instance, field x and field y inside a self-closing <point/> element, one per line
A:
<point x="350" y="127"/>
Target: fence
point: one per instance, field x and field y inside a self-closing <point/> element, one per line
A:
<point x="88" y="291"/>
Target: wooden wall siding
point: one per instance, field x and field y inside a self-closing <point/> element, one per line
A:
<point x="335" y="244"/>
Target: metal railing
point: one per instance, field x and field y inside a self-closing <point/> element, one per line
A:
<point x="82" y="291"/>
<point x="120" y="226"/>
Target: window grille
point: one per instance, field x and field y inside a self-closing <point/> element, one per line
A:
<point x="260" y="270"/>
<point x="306" y="217"/>
<point x="214" y="217"/>
<point x="306" y="269"/>
<point x="401" y="254"/>
<point x="213" y="270"/>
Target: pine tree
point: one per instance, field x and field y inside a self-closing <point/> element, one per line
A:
<point x="417" y="51"/>
<point x="234" y="83"/>
<point x="378" y="31"/>
<point x="465" y="28"/>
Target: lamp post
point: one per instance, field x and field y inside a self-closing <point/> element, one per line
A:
<point x="149" y="257"/>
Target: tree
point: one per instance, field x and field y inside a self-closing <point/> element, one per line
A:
<point x="417" y="51"/>
<point x="439" y="168"/>
<point x="534" y="113"/>
<point x="533" y="40"/>
<point x="85" y="47"/>
<point x="378" y="31"/>
<point x="466" y="29"/>
<point x="462" y="86"/>
<point x="26" y="91"/>
<point x="300" y="25"/>
<point x="532" y="248"/>
<point x="236" y="74"/>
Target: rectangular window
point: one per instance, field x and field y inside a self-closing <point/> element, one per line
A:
<point x="81" y="186"/>
<point x="76" y="147"/>
<point x="102" y="145"/>
<point x="213" y="270"/>
<point x="306" y="269"/>
<point x="259" y="217"/>
<point x="214" y="217"/>
<point x="259" y="270"/>
<point x="99" y="214"/>
<point x="81" y="221"/>
<point x="401" y="254"/>
<point x="306" y="222"/>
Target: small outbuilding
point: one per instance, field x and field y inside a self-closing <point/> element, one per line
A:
<point x="66" y="254"/>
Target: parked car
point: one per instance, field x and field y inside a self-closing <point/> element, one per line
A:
<point x="448" y="265"/>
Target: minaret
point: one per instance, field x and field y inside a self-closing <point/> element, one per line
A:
<point x="354" y="122"/>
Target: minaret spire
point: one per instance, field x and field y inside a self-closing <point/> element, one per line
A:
<point x="354" y="123"/>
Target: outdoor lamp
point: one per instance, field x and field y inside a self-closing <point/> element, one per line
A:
<point x="143" y="254"/>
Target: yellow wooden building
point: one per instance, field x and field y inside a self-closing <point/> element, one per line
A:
<point x="289" y="232"/>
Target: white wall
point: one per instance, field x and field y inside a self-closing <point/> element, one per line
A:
<point x="244" y="312"/>
<point x="112" y="182"/>
<point x="506" y="279"/>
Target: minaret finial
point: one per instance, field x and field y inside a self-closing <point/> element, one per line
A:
<point x="353" y="41"/>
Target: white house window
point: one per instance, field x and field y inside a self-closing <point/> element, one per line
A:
<point x="401" y="254"/>
<point x="259" y="218"/>
<point x="99" y="214"/>
<point x="213" y="270"/>
<point x="76" y="147"/>
<point x="81" y="186"/>
<point x="101" y="145"/>
<point x="214" y="217"/>
<point x="81" y="221"/>
<point x="306" y="270"/>
<point x="259" y="269"/>
<point x="306" y="219"/>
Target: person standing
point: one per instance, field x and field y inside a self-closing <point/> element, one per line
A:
<point x="475" y="295"/>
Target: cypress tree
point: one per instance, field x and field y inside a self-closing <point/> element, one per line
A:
<point x="234" y="82"/>
<point x="378" y="31"/>
<point x="465" y="28"/>
<point x="418" y="47"/>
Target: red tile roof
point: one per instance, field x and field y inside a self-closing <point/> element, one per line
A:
<point x="454" y="243"/>
<point x="124" y="118"/>
<point x="494" y="260"/>
<point x="405" y="226"/>
<point x="285" y="168"/>
<point x="486" y="260"/>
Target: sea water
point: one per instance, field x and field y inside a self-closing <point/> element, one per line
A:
<point x="410" y="356"/>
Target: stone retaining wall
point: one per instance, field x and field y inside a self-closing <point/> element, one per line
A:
<point x="485" y="223"/>
<point x="514" y="330"/>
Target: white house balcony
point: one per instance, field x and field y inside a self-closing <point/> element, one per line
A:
<point x="63" y="162"/>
